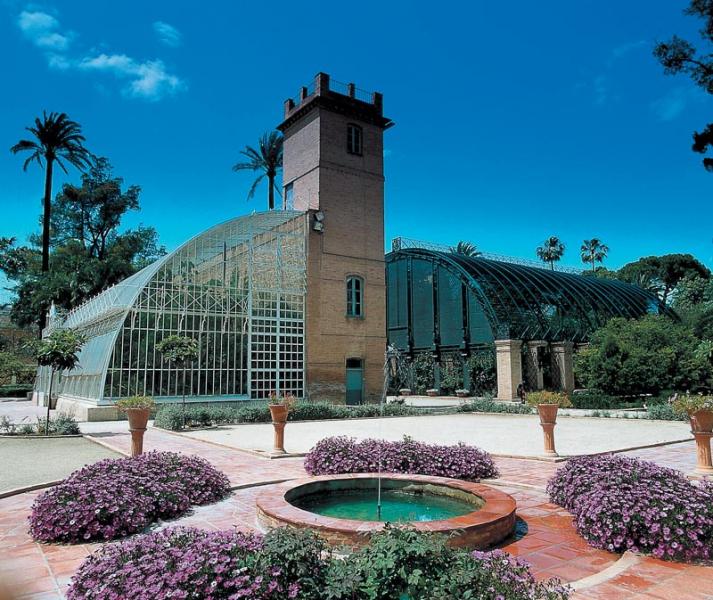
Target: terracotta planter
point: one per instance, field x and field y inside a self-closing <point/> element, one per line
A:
<point x="702" y="421"/>
<point x="278" y="412"/>
<point x="548" y="413"/>
<point x="138" y="418"/>
<point x="548" y="419"/>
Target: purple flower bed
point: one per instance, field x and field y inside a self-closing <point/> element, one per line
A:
<point x="182" y="563"/>
<point x="117" y="497"/>
<point x="336" y="455"/>
<point x="623" y="504"/>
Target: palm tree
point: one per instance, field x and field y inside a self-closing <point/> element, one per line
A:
<point x="466" y="249"/>
<point x="268" y="159"/>
<point x="551" y="251"/>
<point x="57" y="139"/>
<point x="593" y="251"/>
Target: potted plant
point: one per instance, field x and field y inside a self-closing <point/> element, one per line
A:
<point x="280" y="407"/>
<point x="548" y="403"/>
<point x="700" y="413"/>
<point x="463" y="393"/>
<point x="137" y="409"/>
<point x="180" y="351"/>
<point x="433" y="392"/>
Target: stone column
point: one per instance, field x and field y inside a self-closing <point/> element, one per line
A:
<point x="563" y="365"/>
<point x="533" y="364"/>
<point x="509" y="368"/>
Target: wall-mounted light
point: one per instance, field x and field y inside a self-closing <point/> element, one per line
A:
<point x="318" y="221"/>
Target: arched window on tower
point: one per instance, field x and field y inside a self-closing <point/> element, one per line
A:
<point x="355" y="296"/>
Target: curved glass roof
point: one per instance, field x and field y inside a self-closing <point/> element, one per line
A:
<point x="518" y="301"/>
<point x="224" y="273"/>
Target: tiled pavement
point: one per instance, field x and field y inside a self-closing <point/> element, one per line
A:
<point x="551" y="545"/>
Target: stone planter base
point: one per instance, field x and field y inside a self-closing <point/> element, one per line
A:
<point x="548" y="420"/>
<point x="404" y="392"/>
<point x="463" y="393"/>
<point x="433" y="393"/>
<point x="138" y="418"/>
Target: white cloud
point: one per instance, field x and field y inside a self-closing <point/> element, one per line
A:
<point x="148" y="79"/>
<point x="41" y="29"/>
<point x="671" y="105"/>
<point x="168" y="34"/>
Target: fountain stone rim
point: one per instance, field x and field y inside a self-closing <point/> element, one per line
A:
<point x="482" y="528"/>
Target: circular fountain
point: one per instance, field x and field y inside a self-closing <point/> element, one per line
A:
<point x="346" y="509"/>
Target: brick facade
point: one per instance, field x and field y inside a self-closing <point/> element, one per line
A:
<point x="348" y="189"/>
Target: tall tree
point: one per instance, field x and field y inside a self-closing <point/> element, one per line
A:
<point x="593" y="251"/>
<point x="663" y="273"/>
<point x="681" y="56"/>
<point x="89" y="252"/>
<point x="56" y="139"/>
<point x="267" y="159"/>
<point x="551" y="251"/>
<point x="466" y="249"/>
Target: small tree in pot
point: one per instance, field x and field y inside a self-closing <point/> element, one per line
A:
<point x="548" y="403"/>
<point x="60" y="352"/>
<point x="180" y="351"/>
<point x="137" y="409"/>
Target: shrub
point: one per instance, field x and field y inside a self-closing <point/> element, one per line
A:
<point x="140" y="402"/>
<point x="490" y="406"/>
<point x="664" y="412"/>
<point x="647" y="355"/>
<point x="117" y="497"/>
<point x="592" y="399"/>
<point x="544" y="397"/>
<point x="60" y="424"/>
<point x="688" y="405"/>
<point x="15" y="391"/>
<point x="182" y="563"/>
<point x="170" y="416"/>
<point x="622" y="503"/>
<point x="398" y="563"/>
<point x="335" y="455"/>
<point x="401" y="563"/>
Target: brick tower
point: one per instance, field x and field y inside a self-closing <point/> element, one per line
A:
<point x="333" y="168"/>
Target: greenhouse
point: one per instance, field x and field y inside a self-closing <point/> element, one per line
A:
<point x="451" y="306"/>
<point x="238" y="289"/>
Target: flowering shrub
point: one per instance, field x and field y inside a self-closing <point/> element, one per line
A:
<point x="182" y="563"/>
<point x="622" y="503"/>
<point x="117" y="497"/>
<point x="289" y="563"/>
<point x="335" y="455"/>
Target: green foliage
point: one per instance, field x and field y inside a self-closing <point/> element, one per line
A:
<point x="61" y="424"/>
<point x="490" y="406"/>
<point x="89" y="254"/>
<point x="140" y="402"/>
<point x="664" y="412"/>
<point x="60" y="350"/>
<point x="14" y="366"/>
<point x="178" y="350"/>
<point x="170" y="416"/>
<point x="465" y="249"/>
<point x="680" y="56"/>
<point x="631" y="357"/>
<point x="422" y="366"/>
<point x="15" y="391"/>
<point x="545" y="397"/>
<point x="592" y="399"/>
<point x="593" y="251"/>
<point x="266" y="159"/>
<point x="551" y="251"/>
<point x="662" y="274"/>
<point x="483" y="370"/>
<point x="689" y="404"/>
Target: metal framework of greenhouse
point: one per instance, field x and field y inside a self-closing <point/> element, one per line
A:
<point x="238" y="289"/>
<point x="441" y="300"/>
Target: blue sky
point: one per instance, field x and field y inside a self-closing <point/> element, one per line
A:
<point x="514" y="121"/>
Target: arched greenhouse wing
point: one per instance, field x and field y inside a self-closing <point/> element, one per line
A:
<point x="440" y="300"/>
<point x="238" y="289"/>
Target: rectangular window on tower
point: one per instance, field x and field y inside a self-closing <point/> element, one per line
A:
<point x="355" y="299"/>
<point x="354" y="139"/>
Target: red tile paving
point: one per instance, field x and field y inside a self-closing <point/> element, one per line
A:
<point x="551" y="545"/>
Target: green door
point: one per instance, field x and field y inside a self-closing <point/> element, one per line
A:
<point x="355" y="381"/>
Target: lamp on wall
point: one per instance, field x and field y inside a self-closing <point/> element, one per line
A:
<point x="318" y="221"/>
